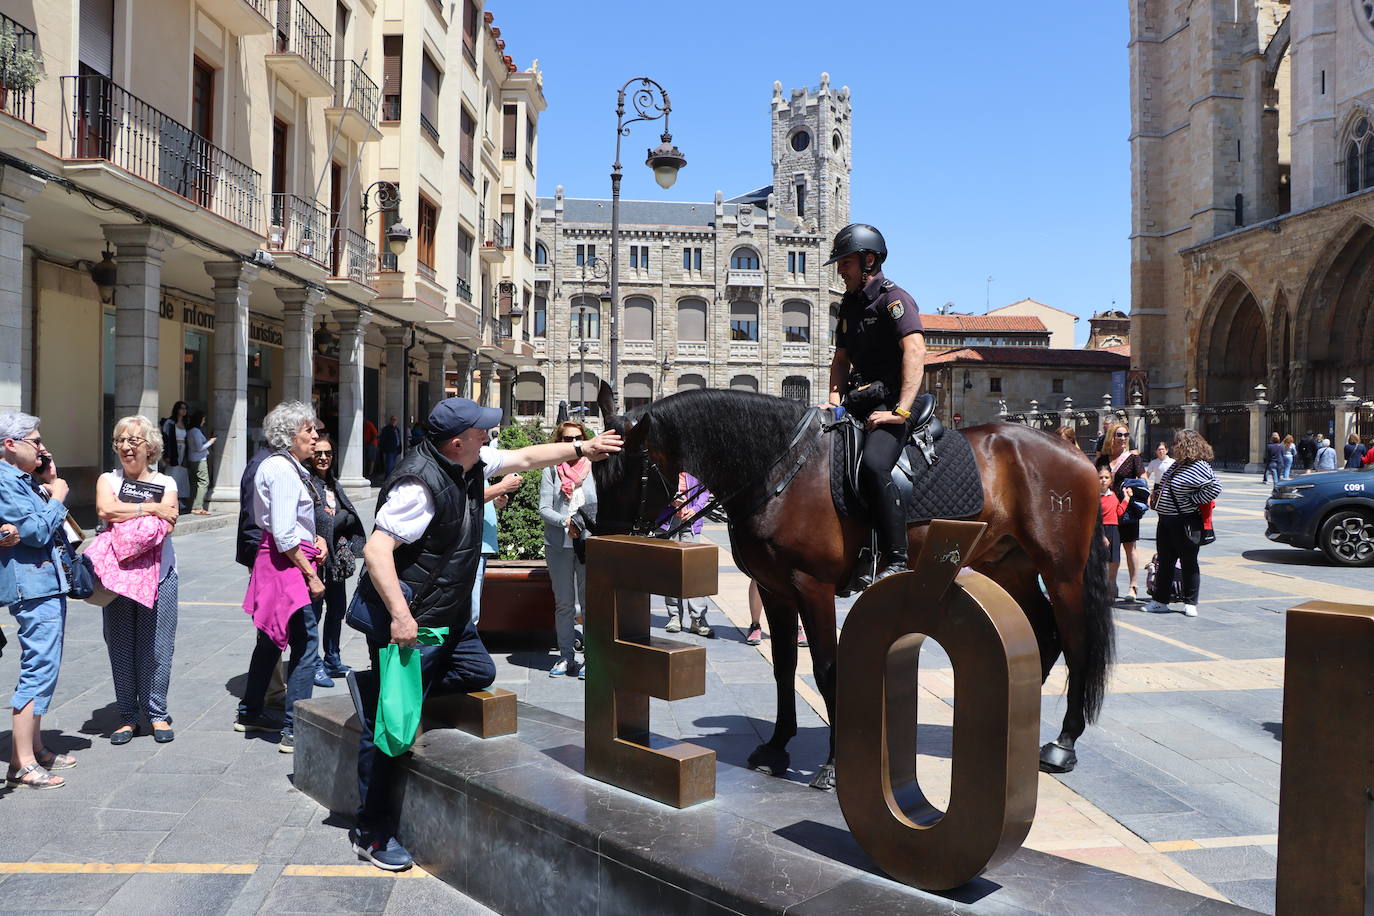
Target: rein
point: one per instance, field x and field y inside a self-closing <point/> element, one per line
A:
<point x="643" y="528"/>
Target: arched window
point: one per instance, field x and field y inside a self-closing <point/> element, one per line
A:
<point x="834" y="320"/>
<point x="585" y="318"/>
<point x="582" y="389"/>
<point x="639" y="390"/>
<point x="541" y="254"/>
<point x="638" y="316"/>
<point x="690" y="381"/>
<point x="744" y="259"/>
<point x="529" y="394"/>
<point x="744" y="320"/>
<point x="691" y="319"/>
<point x="744" y="383"/>
<point x="796" y="321"/>
<point x="797" y="388"/>
<point x="1359" y="157"/>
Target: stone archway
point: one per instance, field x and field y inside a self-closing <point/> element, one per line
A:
<point x="1280" y="350"/>
<point x="1232" y="351"/>
<point x="1339" y="332"/>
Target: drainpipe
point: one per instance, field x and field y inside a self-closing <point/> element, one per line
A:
<point x="405" y="390"/>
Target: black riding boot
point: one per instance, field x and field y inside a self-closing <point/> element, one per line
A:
<point x="890" y="527"/>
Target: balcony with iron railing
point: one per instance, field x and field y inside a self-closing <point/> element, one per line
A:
<point x="494" y="242"/>
<point x="356" y="98"/>
<point x="352" y="257"/>
<point x="18" y="54"/>
<point x="106" y="122"/>
<point x="508" y="153"/>
<point x="463" y="289"/>
<point x="241" y="17"/>
<point x="297" y="226"/>
<point x="429" y="129"/>
<point x="301" y="57"/>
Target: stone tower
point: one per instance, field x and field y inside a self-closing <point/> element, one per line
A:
<point x="811" y="155"/>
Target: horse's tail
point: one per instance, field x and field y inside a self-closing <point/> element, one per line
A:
<point x="1100" y="633"/>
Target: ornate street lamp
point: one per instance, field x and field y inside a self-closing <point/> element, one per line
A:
<point x="651" y="102"/>
<point x="387" y="197"/>
<point x="103" y="275"/>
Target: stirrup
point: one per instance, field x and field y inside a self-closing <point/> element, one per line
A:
<point x="890" y="565"/>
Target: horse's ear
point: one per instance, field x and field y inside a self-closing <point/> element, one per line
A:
<point x="605" y="399"/>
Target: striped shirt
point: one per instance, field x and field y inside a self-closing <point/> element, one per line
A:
<point x="1186" y="485"/>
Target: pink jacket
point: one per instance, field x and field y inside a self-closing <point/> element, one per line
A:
<point x="276" y="590"/>
<point x="127" y="557"/>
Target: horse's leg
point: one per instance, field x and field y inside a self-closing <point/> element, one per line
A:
<point x="1083" y="610"/>
<point x="817" y="606"/>
<point x="1018" y="575"/>
<point x="782" y="626"/>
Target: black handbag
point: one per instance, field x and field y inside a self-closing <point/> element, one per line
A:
<point x="80" y="573"/>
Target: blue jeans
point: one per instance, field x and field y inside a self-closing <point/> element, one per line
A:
<point x="300" y="669"/>
<point x="458" y="665"/>
<point x="477" y="589"/>
<point x="42" y="627"/>
<point x="1287" y="467"/>
<point x="1271" y="469"/>
<point x="329" y="613"/>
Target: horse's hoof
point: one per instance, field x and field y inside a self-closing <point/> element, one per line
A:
<point x="772" y="760"/>
<point x="825" y="778"/>
<point x="1055" y="758"/>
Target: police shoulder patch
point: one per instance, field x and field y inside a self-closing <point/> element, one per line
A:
<point x="895" y="309"/>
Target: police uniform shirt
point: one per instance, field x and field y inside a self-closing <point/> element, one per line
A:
<point x="873" y="320"/>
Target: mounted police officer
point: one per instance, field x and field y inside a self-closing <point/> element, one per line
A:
<point x="876" y="372"/>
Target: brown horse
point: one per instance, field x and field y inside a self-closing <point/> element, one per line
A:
<point x="1040" y="503"/>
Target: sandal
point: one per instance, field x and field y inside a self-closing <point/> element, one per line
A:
<point x="1130" y="594"/>
<point x="51" y="760"/>
<point x="40" y="778"/>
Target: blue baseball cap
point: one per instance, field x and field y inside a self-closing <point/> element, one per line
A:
<point x="453" y="416"/>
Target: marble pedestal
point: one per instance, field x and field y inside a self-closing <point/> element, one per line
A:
<point x="513" y="823"/>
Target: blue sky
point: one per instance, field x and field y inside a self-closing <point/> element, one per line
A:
<point x="989" y="140"/>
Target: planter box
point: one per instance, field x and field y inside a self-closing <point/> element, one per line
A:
<point x="517" y="595"/>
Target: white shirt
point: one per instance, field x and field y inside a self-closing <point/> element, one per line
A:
<point x="409" y="507"/>
<point x="283" y="503"/>
<point x="1156" y="468"/>
<point x="199" y="444"/>
<point x="113" y="478"/>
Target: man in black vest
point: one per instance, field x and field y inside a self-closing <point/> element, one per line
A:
<point x="422" y="560"/>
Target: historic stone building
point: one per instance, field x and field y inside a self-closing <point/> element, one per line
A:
<point x="1110" y="328"/>
<point x="729" y="293"/>
<point x="1253" y="198"/>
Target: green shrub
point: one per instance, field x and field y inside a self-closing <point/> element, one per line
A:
<point x="20" y="70"/>
<point x="519" y="529"/>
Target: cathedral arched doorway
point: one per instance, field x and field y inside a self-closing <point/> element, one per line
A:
<point x="1232" y="356"/>
<point x="1340" y="332"/>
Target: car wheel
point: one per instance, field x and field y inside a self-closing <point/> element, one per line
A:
<point x="1347" y="538"/>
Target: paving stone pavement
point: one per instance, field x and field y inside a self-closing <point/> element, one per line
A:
<point x="1178" y="783"/>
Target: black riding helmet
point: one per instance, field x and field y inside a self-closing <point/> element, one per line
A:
<point x="857" y="238"/>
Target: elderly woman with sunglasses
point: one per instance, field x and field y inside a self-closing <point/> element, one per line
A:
<point x="140" y="633"/>
<point x="567" y="497"/>
<point x="34" y="585"/>
<point x="337" y="522"/>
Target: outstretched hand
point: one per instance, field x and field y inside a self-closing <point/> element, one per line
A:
<point x="600" y="447"/>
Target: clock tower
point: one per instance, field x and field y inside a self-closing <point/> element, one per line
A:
<point x="812" y="156"/>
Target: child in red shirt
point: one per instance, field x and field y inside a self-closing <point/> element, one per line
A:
<point x="1112" y="510"/>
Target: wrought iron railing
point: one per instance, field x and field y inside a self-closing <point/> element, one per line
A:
<point x="299" y="32"/>
<point x="355" y="89"/>
<point x="508" y="153"/>
<point x="105" y="121"/>
<point x="1226" y="426"/>
<point x="261" y="7"/>
<point x="391" y="108"/>
<point x="353" y="256"/>
<point x="302" y="226"/>
<point x="16" y="44"/>
<point x="464" y="289"/>
<point x="496" y="235"/>
<point x="466" y="171"/>
<point x="428" y="127"/>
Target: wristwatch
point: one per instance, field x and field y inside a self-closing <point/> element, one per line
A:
<point x="902" y="412"/>
<point x="577" y="449"/>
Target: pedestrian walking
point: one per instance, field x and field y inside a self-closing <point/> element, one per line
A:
<point x="198" y="446"/>
<point x="135" y="559"/>
<point x="1273" y="459"/>
<point x="1307" y="452"/>
<point x="338" y="524"/>
<point x="390" y="441"/>
<point x="370" y="441"/>
<point x="1159" y="464"/>
<point x="567" y="502"/>
<point x="1354" y="452"/>
<point x="34" y="584"/>
<point x="284" y="582"/>
<point x="1290" y="454"/>
<point x="1184" y="490"/>
<point x="1326" y="455"/>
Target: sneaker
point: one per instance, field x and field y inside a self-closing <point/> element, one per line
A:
<point x="559" y="669"/>
<point x="322" y="679"/>
<point x="674" y="624"/>
<point x="755" y="635"/>
<point x="384" y="852"/>
<point x="261" y="722"/>
<point x="1190" y="610"/>
<point x="801" y="638"/>
<point x="1155" y="607"/>
<point x="582" y="671"/>
<point x="700" y="627"/>
<point x="287" y="744"/>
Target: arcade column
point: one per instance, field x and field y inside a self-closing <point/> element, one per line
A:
<point x="229" y="397"/>
<point x="394" y="397"/>
<point x="507" y="377"/>
<point x="352" y="333"/>
<point x="438" y="352"/>
<point x="298" y="341"/>
<point x="139" y="251"/>
<point x="16" y="190"/>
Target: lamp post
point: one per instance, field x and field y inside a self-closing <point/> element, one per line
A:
<point x="598" y="270"/>
<point x="650" y="101"/>
<point x="387" y="196"/>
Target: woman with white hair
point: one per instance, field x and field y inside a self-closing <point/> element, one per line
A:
<point x="284" y="581"/>
<point x="33" y="582"/>
<point x="141" y="622"/>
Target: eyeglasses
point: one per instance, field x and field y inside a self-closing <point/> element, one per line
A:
<point x="324" y="454"/>
<point x="36" y="442"/>
<point x="572" y="438"/>
<point x="135" y="441"/>
<point x="1122" y="435"/>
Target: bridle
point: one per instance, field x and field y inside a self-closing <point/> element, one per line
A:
<point x="642" y="526"/>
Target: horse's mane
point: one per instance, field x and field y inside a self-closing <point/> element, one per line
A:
<point x="724" y="438"/>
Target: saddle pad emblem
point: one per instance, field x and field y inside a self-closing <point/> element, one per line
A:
<point x="894" y="308"/>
